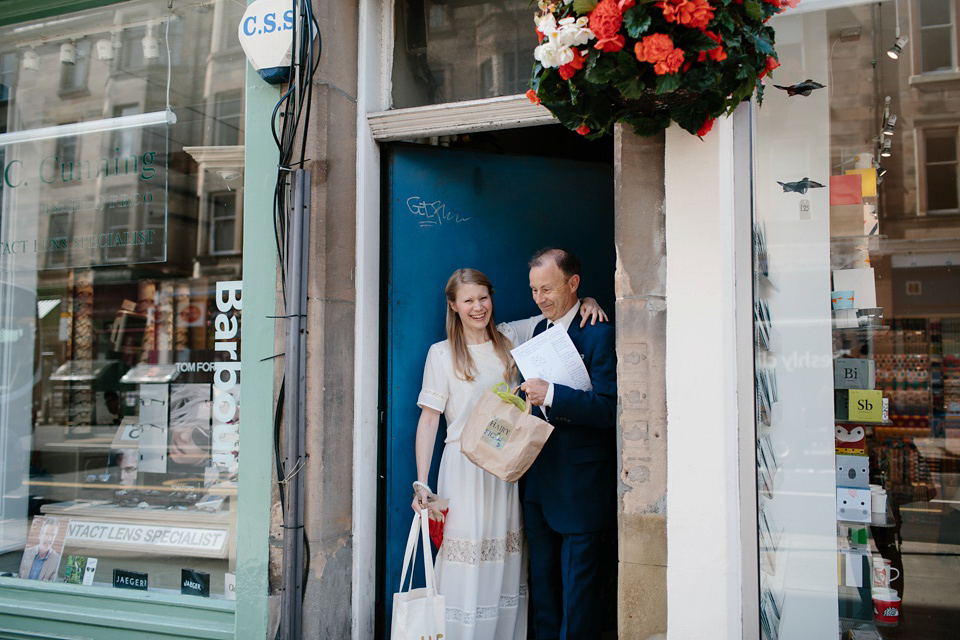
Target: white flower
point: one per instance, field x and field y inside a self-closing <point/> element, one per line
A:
<point x="573" y="32"/>
<point x="547" y="25"/>
<point x="551" y="55"/>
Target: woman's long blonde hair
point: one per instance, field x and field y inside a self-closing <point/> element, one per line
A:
<point x="463" y="365"/>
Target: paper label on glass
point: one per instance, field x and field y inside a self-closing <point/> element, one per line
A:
<point x="552" y="356"/>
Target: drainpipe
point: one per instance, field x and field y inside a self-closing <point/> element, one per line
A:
<point x="294" y="431"/>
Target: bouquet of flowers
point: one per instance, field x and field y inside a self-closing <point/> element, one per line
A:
<point x="649" y="62"/>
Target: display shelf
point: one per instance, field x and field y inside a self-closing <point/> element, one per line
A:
<point x="861" y="334"/>
<point x="883" y="423"/>
<point x="881" y="520"/>
<point x="873" y="243"/>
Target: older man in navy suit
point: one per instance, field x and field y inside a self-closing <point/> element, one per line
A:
<point x="570" y="494"/>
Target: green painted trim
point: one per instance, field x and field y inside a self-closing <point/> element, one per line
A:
<point x="102" y="613"/>
<point x="12" y="11"/>
<point x="257" y="338"/>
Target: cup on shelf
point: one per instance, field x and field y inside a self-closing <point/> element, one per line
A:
<point x="878" y="499"/>
<point x="886" y="605"/>
<point x="883" y="573"/>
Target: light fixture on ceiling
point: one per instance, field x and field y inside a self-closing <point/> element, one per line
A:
<point x="885" y="150"/>
<point x="31" y="60"/>
<point x="889" y="126"/>
<point x="68" y="53"/>
<point x="90" y="126"/>
<point x="151" y="45"/>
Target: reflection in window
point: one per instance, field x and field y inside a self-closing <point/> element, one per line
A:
<point x="936" y="35"/>
<point x="73" y="77"/>
<point x="941" y="170"/>
<point x="67" y="147"/>
<point x="475" y="45"/>
<point x="228" y="107"/>
<point x="131" y="53"/>
<point x="125" y="141"/>
<point x="223" y="222"/>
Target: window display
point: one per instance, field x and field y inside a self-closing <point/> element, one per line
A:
<point x="856" y="194"/>
<point x="121" y="142"/>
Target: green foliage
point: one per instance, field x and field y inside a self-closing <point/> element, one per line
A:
<point x="616" y="87"/>
<point x="583" y="7"/>
<point x="667" y="83"/>
<point x="632" y="88"/>
<point x="636" y="21"/>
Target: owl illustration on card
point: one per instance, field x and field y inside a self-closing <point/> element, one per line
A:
<point x="850" y="437"/>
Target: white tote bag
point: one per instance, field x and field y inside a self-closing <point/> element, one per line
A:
<point x="418" y="614"/>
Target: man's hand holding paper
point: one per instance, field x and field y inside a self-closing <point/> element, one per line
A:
<point x="550" y="357"/>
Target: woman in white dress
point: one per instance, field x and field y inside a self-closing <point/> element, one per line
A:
<point x="481" y="566"/>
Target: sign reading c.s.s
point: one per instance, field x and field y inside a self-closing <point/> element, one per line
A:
<point x="266" y="33"/>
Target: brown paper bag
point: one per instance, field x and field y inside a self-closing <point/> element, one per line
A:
<point x="501" y="438"/>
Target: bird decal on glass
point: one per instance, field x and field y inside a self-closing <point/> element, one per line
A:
<point x="800" y="186"/>
<point x="804" y="88"/>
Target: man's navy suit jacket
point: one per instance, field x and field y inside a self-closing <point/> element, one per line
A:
<point x="574" y="478"/>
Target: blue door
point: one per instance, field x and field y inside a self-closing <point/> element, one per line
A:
<point x="447" y="209"/>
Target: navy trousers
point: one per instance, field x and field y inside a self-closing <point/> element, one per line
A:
<point x="565" y="579"/>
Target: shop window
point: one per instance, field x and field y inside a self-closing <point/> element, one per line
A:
<point x="936" y="29"/>
<point x="227" y="111"/>
<point x="940" y="169"/>
<point x="119" y="456"/>
<point x="857" y="332"/>
<point x="223" y="223"/>
<point x="73" y="77"/>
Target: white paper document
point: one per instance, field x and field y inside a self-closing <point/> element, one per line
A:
<point x="552" y="356"/>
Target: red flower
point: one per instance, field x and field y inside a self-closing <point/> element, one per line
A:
<point x="605" y="21"/>
<point x="705" y="127"/>
<point x="567" y="70"/>
<point x="775" y="3"/>
<point x="540" y="36"/>
<point x="623" y="5"/>
<point x="583" y="129"/>
<point x="658" y="50"/>
<point x="716" y="54"/>
<point x="690" y="13"/>
<point x="532" y="96"/>
<point x="771" y="64"/>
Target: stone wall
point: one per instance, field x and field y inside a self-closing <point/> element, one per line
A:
<point x="641" y="351"/>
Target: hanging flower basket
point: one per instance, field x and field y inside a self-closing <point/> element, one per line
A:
<point x="649" y="62"/>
